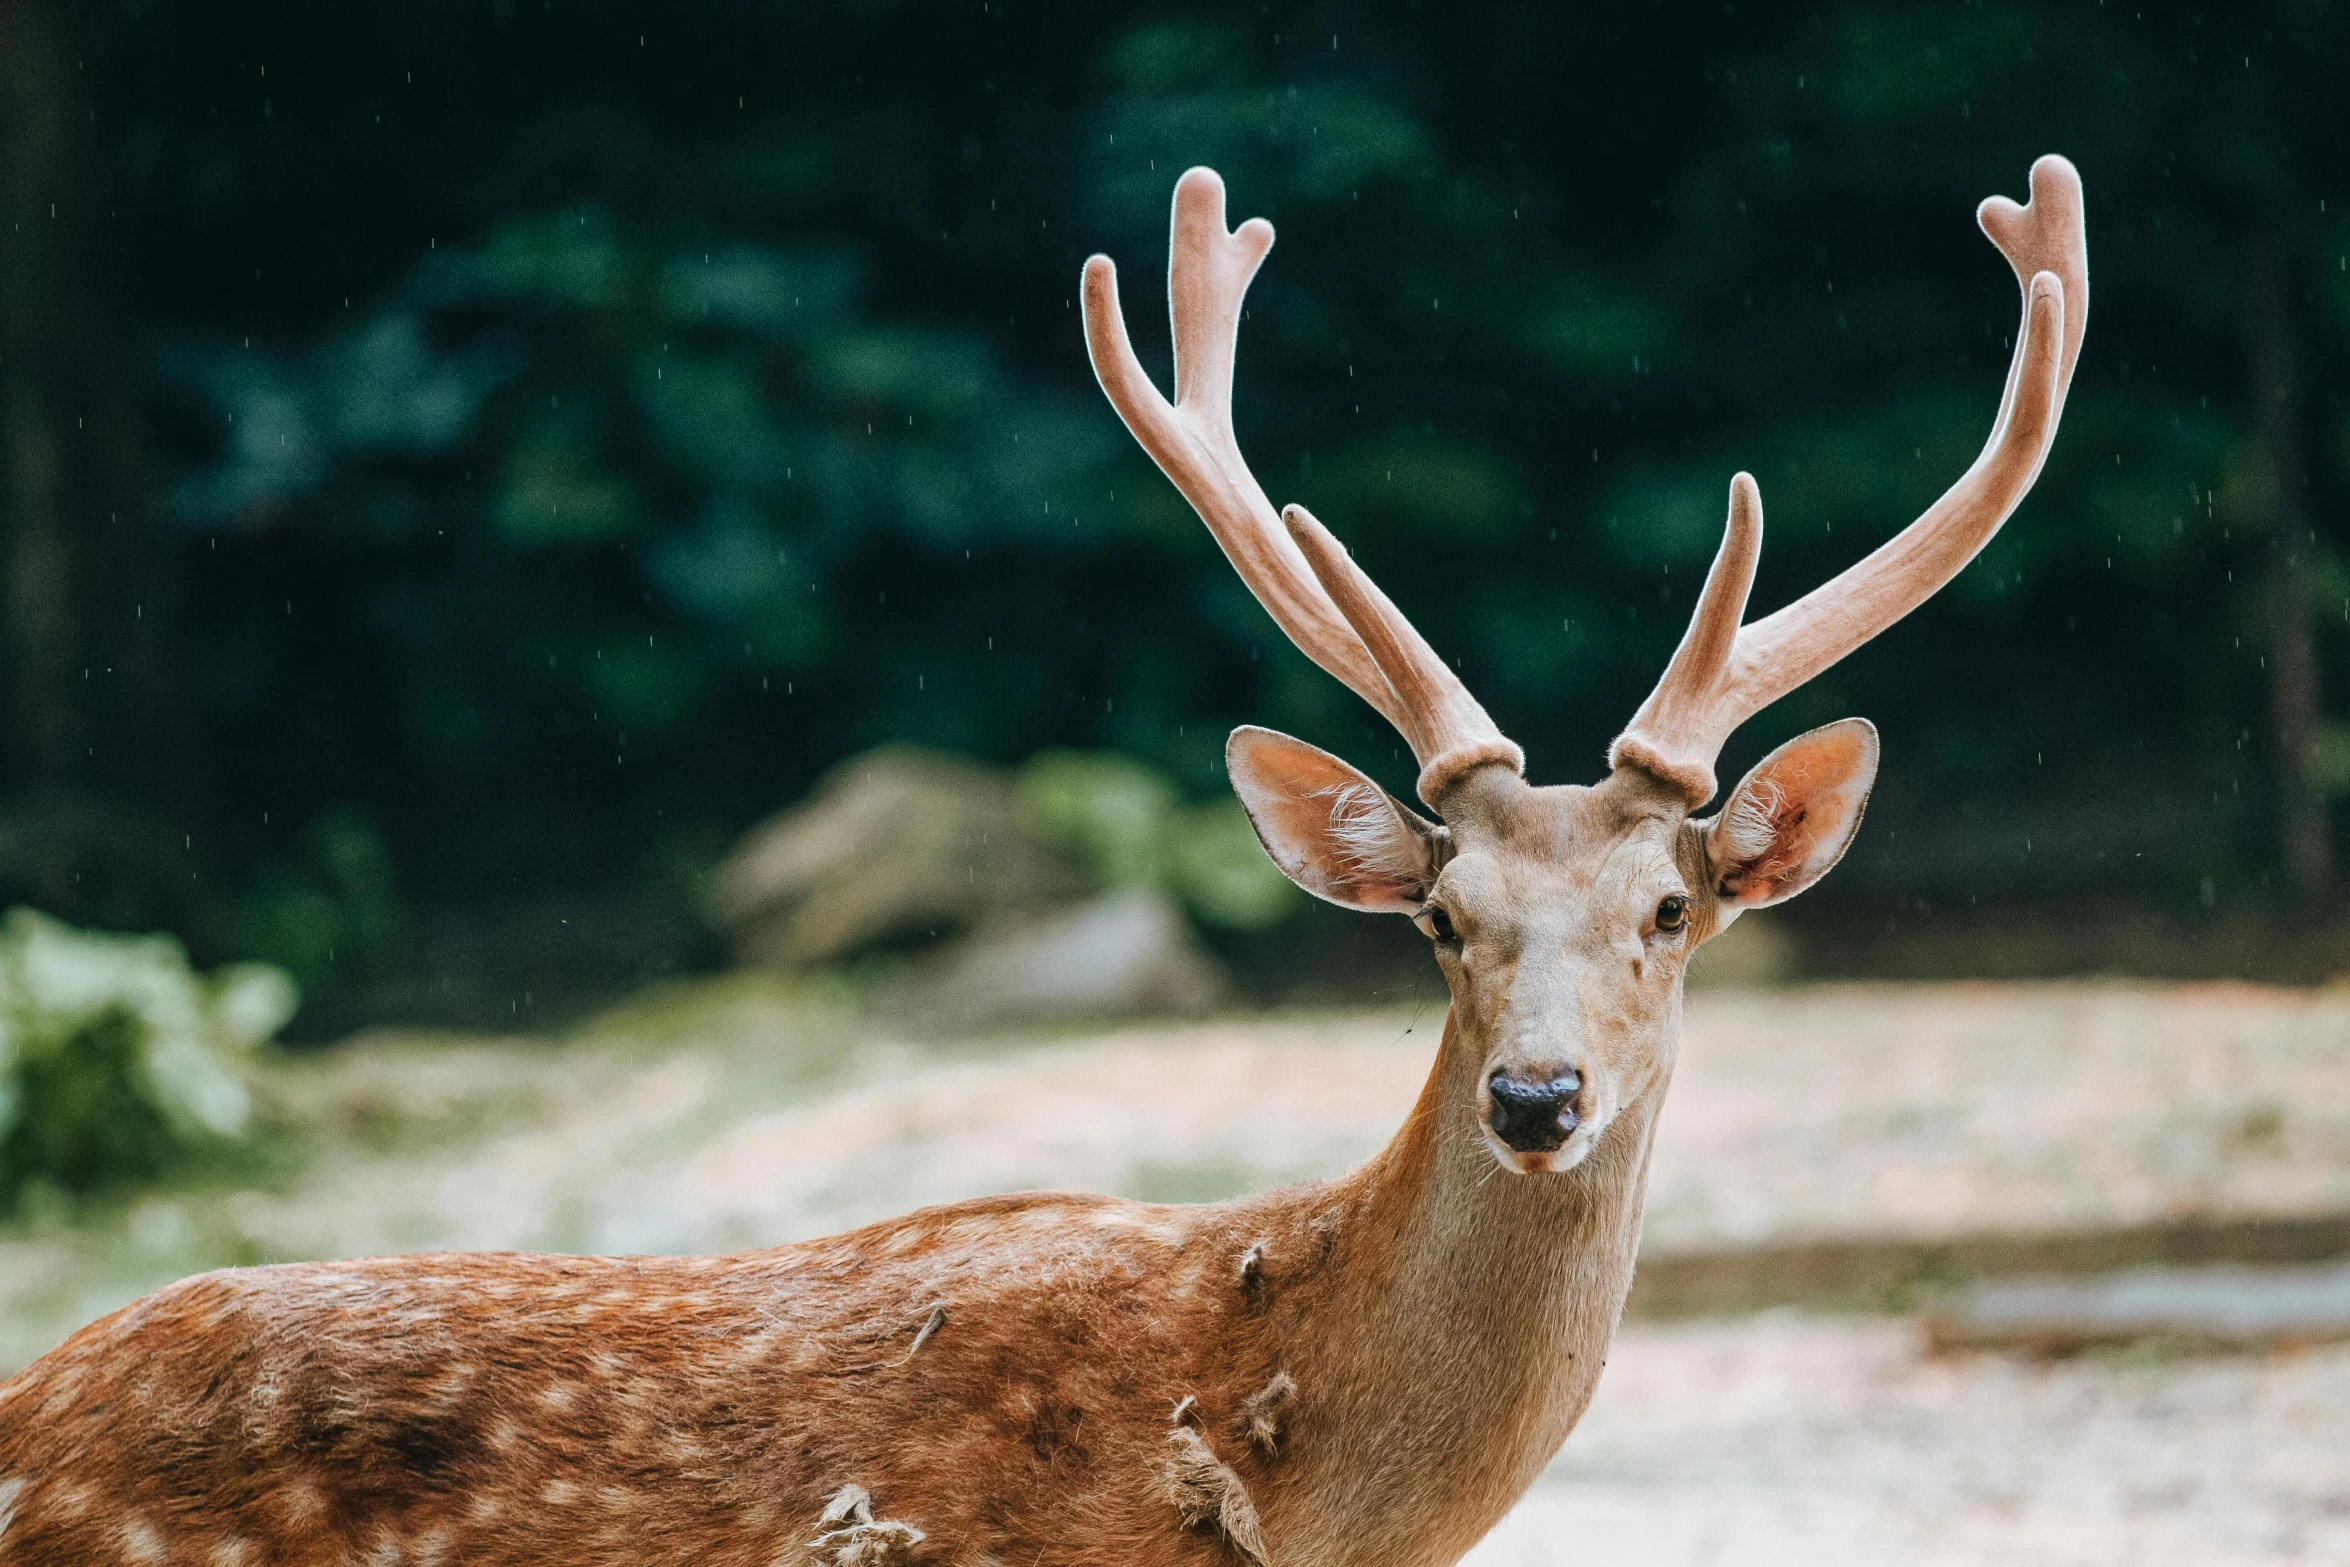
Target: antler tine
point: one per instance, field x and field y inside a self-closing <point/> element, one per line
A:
<point x="1208" y="273"/>
<point x="1451" y="731"/>
<point x="2047" y="234"/>
<point x="1668" y="734"/>
<point x="1389" y="665"/>
<point x="1717" y="682"/>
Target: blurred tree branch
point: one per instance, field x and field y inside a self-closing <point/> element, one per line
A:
<point x="2296" y="709"/>
<point x="44" y="718"/>
<point x="89" y="600"/>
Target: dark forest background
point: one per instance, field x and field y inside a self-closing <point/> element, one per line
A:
<point x="460" y="463"/>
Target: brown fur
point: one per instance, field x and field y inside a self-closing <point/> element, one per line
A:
<point x="516" y="1408"/>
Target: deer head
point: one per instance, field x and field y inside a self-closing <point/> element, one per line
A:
<point x="1564" y="917"/>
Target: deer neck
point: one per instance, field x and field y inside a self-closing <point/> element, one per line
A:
<point x="1479" y="1306"/>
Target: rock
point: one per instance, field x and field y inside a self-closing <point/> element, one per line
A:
<point x="2229" y="1308"/>
<point x="1128" y="954"/>
<point x="903" y="847"/>
<point x="897" y="845"/>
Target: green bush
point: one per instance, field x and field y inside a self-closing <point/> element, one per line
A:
<point x="1214" y="863"/>
<point x="331" y="914"/>
<point x="1127" y="823"/>
<point x="117" y="1058"/>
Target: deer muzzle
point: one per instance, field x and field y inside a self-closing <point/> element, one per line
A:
<point x="1533" y="1111"/>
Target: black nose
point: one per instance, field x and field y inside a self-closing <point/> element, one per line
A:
<point x="1533" y="1113"/>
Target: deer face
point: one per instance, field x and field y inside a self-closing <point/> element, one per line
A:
<point x="1563" y="923"/>
<point x="1563" y="918"/>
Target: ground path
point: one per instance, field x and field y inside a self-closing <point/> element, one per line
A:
<point x="741" y="1113"/>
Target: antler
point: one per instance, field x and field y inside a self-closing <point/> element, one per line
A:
<point x="1724" y="673"/>
<point x="1333" y="612"/>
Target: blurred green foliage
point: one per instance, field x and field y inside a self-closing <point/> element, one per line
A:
<point x="1126" y="822"/>
<point x="116" y="1058"/>
<point x="572" y="430"/>
<point x="1105" y="807"/>
<point x="331" y="915"/>
<point x="1214" y="863"/>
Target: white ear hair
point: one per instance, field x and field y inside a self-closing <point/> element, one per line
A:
<point x="1365" y="827"/>
<point x="1749" y="822"/>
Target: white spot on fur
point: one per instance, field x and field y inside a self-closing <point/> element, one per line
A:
<point x="63" y="1389"/>
<point x="560" y="1396"/>
<point x="235" y="1551"/>
<point x="560" y="1493"/>
<point x="906" y="1238"/>
<point x="10" y="1490"/>
<point x="140" y="1543"/>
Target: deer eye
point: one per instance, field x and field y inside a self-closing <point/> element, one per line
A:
<point x="1438" y="925"/>
<point x="1672" y="913"/>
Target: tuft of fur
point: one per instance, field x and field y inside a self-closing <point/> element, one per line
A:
<point x="1365" y="827"/>
<point x="930" y="1324"/>
<point x="850" y="1504"/>
<point x="885" y="1544"/>
<point x="1207" y="1494"/>
<point x="1260" y="1412"/>
<point x="855" y="1539"/>
<point x="1252" y="1268"/>
<point x="1750" y="823"/>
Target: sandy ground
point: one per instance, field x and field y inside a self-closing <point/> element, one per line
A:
<point x="742" y="1114"/>
<point x="1834" y="1113"/>
<point x="1830" y="1114"/>
<point x="1789" y="1440"/>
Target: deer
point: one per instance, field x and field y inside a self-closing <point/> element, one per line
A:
<point x="1368" y="1369"/>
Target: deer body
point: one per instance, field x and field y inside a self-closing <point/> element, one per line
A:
<point x="1369" y="1370"/>
<point x="499" y="1407"/>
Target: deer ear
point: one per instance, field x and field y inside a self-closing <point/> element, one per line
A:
<point x="1331" y="830"/>
<point x="1790" y="820"/>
